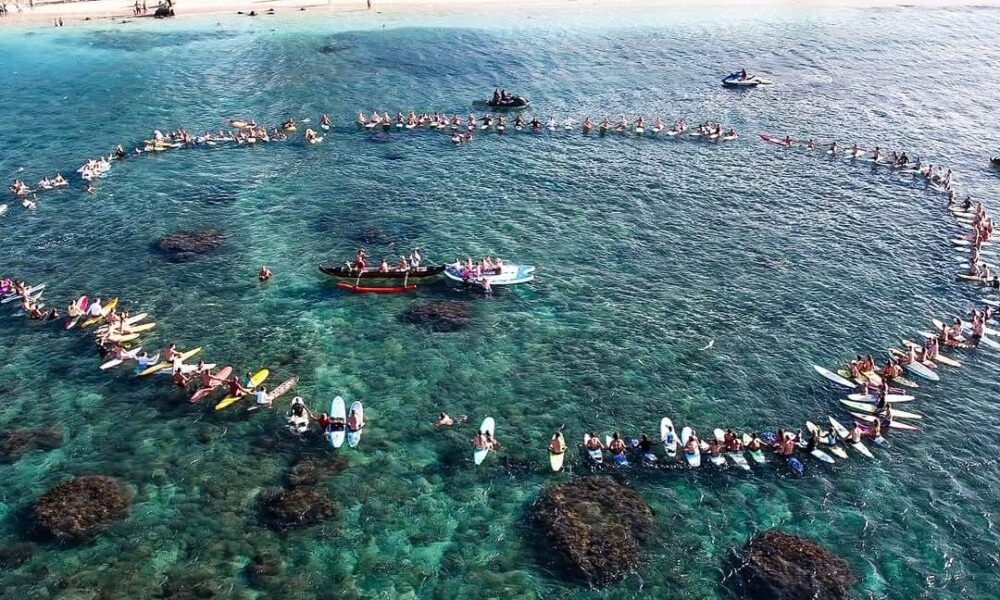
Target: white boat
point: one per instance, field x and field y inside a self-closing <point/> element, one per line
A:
<point x="508" y="275"/>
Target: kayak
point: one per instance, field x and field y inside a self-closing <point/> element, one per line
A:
<point x="869" y="399"/>
<point x="105" y="311"/>
<point x="694" y="459"/>
<point x="668" y="436"/>
<point x="114" y="362"/>
<point x="556" y="458"/>
<point x="255" y="380"/>
<point x="831" y="376"/>
<point x="479" y="454"/>
<point x="353" y="437"/>
<point x="835" y="449"/>
<point x="843" y="434"/>
<point x="81" y="303"/>
<point x="756" y="455"/>
<point x="870" y="408"/>
<point x="165" y="364"/>
<point x="204" y="392"/>
<point x="620" y="458"/>
<point x="596" y="456"/>
<point x="337" y="411"/>
<point x="893" y="424"/>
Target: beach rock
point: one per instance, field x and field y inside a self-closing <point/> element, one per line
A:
<point x="185" y="245"/>
<point x="778" y="565"/>
<point x="15" y="443"/>
<point x="295" y="507"/>
<point x="595" y="526"/>
<point x="80" y="507"/>
<point x="438" y="316"/>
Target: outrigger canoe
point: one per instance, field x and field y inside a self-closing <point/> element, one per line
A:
<point x="395" y="289"/>
<point x="344" y="272"/>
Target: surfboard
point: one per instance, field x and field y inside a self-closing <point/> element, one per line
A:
<point x="556" y="458"/>
<point x="479" y="454"/>
<point x="693" y="459"/>
<point x="831" y="376"/>
<point x="255" y="380"/>
<point x="668" y="436"/>
<point x="204" y="392"/>
<point x="337" y="411"/>
<point x="165" y="364"/>
<point x="353" y="437"/>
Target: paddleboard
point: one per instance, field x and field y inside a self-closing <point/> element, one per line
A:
<point x="556" y="458"/>
<point x="353" y="437"/>
<point x="204" y="392"/>
<point x="114" y="362"/>
<point x="479" y="454"/>
<point x="903" y="381"/>
<point x="596" y="456"/>
<point x="165" y="364"/>
<point x="694" y="459"/>
<point x="337" y="411"/>
<point x="620" y="458"/>
<point x="255" y="380"/>
<point x="105" y="311"/>
<point x="843" y="434"/>
<point x="893" y="424"/>
<point x="668" y="436"/>
<point x="756" y="455"/>
<point x="835" y="449"/>
<point x="129" y="321"/>
<point x="736" y="458"/>
<point x="823" y="456"/>
<point x="869" y="399"/>
<point x="919" y="370"/>
<point x="831" y="376"/>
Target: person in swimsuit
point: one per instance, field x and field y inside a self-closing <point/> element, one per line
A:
<point x="264" y="274"/>
<point x="556" y="444"/>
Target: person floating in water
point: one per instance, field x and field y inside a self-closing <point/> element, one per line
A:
<point x="265" y="274"/>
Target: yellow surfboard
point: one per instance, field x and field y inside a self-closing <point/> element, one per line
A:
<point x="255" y="380"/>
<point x="105" y="310"/>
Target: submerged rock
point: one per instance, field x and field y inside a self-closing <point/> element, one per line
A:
<point x="296" y="507"/>
<point x="596" y="526"/>
<point x="263" y="568"/>
<point x="438" y="316"/>
<point x="310" y="471"/>
<point x="13" y="555"/>
<point x="80" y="507"/>
<point x="375" y="236"/>
<point x="15" y="443"/>
<point x="185" y="245"/>
<point x="778" y="565"/>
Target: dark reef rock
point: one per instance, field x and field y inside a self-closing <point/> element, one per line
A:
<point x="14" y="555"/>
<point x="15" y="443"/>
<point x="780" y="566"/>
<point x="438" y="316"/>
<point x="264" y="567"/>
<point x="310" y="471"/>
<point x="596" y="526"/>
<point x="298" y="506"/>
<point x="185" y="245"/>
<point x="374" y="236"/>
<point x="80" y="507"/>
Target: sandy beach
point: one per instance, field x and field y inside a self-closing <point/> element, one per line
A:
<point x="89" y="10"/>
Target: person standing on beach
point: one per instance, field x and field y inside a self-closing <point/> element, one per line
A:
<point x="369" y="4"/>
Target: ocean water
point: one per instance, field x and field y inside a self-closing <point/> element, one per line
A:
<point x="646" y="248"/>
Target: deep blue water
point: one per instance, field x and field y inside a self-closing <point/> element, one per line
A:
<point x="646" y="248"/>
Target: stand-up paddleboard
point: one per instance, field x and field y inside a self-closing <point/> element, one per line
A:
<point x="620" y="458"/>
<point x="835" y="449"/>
<point x="166" y="364"/>
<point x="338" y="410"/>
<point x="890" y="398"/>
<point x="737" y="458"/>
<point x="81" y="303"/>
<point x="668" y="436"/>
<point x="206" y="391"/>
<point x="105" y="311"/>
<point x="694" y="459"/>
<point x="123" y="337"/>
<point x="831" y="376"/>
<point x="596" y="456"/>
<point x="870" y="409"/>
<point x="756" y="455"/>
<point x="892" y="424"/>
<point x="30" y="291"/>
<point x="283" y="388"/>
<point x="479" y="454"/>
<point x="844" y="436"/>
<point x="989" y="343"/>
<point x="556" y="458"/>
<point x="255" y="380"/>
<point x="114" y="362"/>
<point x="353" y="437"/>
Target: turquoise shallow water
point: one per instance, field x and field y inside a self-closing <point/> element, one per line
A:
<point x="646" y="249"/>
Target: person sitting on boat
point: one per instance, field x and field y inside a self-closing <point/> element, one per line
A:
<point x="402" y="265"/>
<point x="743" y="75"/>
<point x="557" y="445"/>
<point x="616" y="446"/>
<point x="359" y="259"/>
<point x="264" y="274"/>
<point x="383" y="266"/>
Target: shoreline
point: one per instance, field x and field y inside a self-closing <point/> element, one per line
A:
<point x="89" y="11"/>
